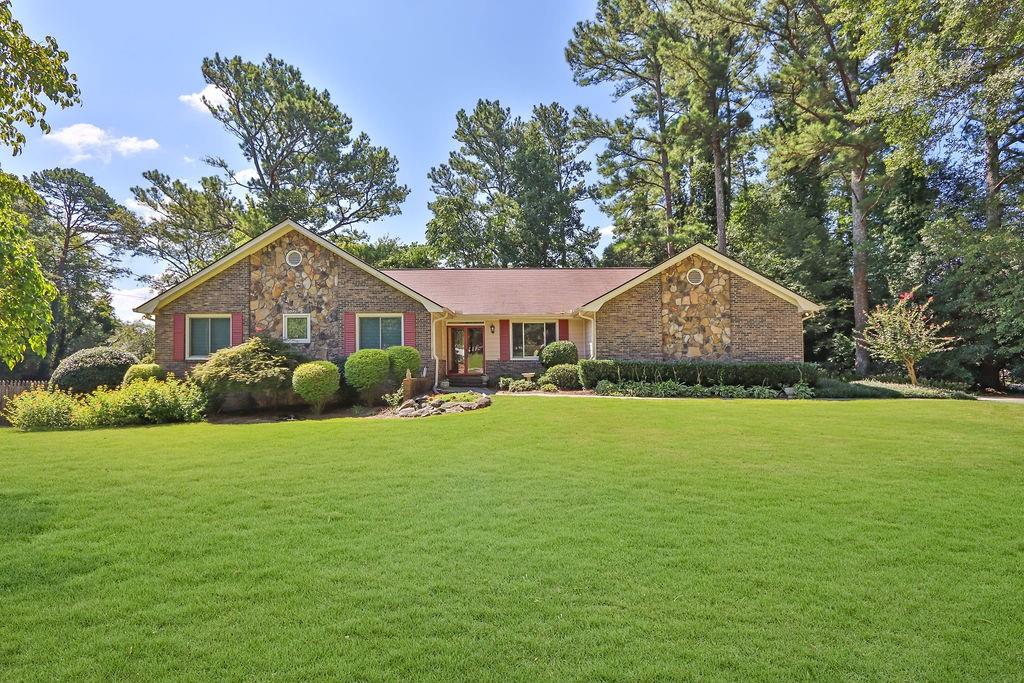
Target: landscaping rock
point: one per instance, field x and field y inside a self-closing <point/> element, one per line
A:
<point x="407" y="412"/>
<point x="455" y="409"/>
<point x="790" y="392"/>
<point x="437" y="402"/>
<point x="483" y="401"/>
<point x="407" y="404"/>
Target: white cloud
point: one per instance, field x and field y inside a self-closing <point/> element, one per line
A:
<point x="124" y="300"/>
<point x="607" y="231"/>
<point x="85" y="141"/>
<point x="195" y="100"/>
<point x="138" y="207"/>
<point x="188" y="160"/>
<point x="245" y="175"/>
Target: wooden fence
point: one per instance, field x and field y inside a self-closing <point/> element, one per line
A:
<point x="13" y="387"/>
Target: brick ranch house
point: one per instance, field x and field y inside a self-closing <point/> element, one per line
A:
<point x="474" y="322"/>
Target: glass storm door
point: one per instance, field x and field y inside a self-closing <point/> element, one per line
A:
<point x="466" y="355"/>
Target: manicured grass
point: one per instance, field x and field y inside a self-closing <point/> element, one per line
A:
<point x="542" y="538"/>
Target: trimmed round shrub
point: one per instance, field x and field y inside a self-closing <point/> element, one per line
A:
<point x="316" y="382"/>
<point x="367" y="371"/>
<point x="41" y="410"/>
<point x="144" y="371"/>
<point x="564" y="376"/>
<point x="559" y="353"/>
<point x="403" y="358"/>
<point x="83" y="371"/>
<point x="548" y="388"/>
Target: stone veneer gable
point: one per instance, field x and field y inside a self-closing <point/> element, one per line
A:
<point x="325" y="286"/>
<point x="263" y="287"/>
<point x="726" y="317"/>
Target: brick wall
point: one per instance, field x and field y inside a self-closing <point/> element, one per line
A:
<point x="227" y="292"/>
<point x="263" y="287"/>
<point x="764" y="327"/>
<point x="629" y="326"/>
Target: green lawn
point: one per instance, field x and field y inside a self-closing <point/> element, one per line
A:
<point x="542" y="538"/>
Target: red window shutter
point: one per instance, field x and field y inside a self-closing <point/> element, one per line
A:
<point x="236" y="329"/>
<point x="505" y="342"/>
<point x="350" y="332"/>
<point x="409" y="319"/>
<point x="178" y="344"/>
<point x="563" y="329"/>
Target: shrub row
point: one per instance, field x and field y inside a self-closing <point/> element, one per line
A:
<point x="673" y="389"/>
<point x="702" y="373"/>
<point x="148" y="401"/>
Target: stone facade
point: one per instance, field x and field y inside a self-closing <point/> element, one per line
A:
<point x="264" y="287"/>
<point x="696" y="320"/>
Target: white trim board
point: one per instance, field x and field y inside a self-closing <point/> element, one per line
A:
<point x="257" y="243"/>
<point x="805" y="306"/>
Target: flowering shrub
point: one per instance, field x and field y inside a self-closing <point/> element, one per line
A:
<point x="904" y="333"/>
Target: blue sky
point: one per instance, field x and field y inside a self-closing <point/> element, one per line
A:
<point x="400" y="69"/>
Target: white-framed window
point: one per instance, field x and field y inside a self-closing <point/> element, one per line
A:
<point x="529" y="338"/>
<point x="295" y="328"/>
<point x="379" y="330"/>
<point x="206" y="333"/>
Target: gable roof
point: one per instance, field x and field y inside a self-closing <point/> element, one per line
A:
<point x="257" y="243"/>
<point x="492" y="291"/>
<point x="805" y="306"/>
<point x="514" y="291"/>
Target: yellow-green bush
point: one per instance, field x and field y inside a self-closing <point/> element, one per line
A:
<point x="316" y="382"/>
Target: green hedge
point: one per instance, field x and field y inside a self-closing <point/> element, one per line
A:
<point x="403" y="358"/>
<point x="82" y="372"/>
<point x="559" y="353"/>
<point x="367" y="371"/>
<point x="564" y="376"/>
<point x="703" y="373"/>
<point x="673" y="389"/>
<point x="144" y="371"/>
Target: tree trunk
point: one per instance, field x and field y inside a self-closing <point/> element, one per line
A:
<point x="860" y="271"/>
<point x="911" y="372"/>
<point x="666" y="177"/>
<point x="993" y="198"/>
<point x="716" y="155"/>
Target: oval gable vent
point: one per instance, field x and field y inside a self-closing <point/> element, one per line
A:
<point x="293" y="258"/>
<point x="695" y="276"/>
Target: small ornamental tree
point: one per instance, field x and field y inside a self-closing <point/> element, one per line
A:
<point x="904" y="333"/>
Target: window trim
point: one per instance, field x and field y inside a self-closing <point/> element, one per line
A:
<point x="359" y="316"/>
<point x="284" y="328"/>
<point x="511" y="338"/>
<point x="188" y="332"/>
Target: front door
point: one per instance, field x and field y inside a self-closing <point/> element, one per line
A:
<point x="466" y="350"/>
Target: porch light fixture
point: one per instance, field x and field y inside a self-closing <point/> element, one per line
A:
<point x="492" y="328"/>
